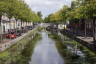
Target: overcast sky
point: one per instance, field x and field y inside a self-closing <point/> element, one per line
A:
<point x="47" y="6"/>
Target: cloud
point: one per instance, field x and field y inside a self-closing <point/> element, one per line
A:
<point x="47" y="6"/>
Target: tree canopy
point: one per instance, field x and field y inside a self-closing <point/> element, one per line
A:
<point x="80" y="9"/>
<point x="19" y="9"/>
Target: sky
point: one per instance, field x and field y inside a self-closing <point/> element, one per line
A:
<point x="47" y="6"/>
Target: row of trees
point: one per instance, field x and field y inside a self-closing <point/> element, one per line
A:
<point x="18" y="9"/>
<point x="59" y="16"/>
<point x="80" y="9"/>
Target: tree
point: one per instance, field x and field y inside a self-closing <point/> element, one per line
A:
<point x="18" y="9"/>
<point x="64" y="13"/>
<point x="39" y="14"/>
<point x="59" y="16"/>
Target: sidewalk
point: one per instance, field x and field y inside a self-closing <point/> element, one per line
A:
<point x="87" y="39"/>
<point x="81" y="35"/>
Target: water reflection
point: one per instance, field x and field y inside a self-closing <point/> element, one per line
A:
<point x="45" y="52"/>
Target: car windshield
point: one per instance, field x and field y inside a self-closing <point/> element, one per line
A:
<point x="12" y="33"/>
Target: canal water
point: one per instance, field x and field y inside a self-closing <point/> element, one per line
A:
<point x="46" y="52"/>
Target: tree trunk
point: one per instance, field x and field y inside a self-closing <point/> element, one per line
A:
<point x="0" y="20"/>
<point x="16" y="26"/>
<point x="0" y="29"/>
<point x="1" y="39"/>
<point x="10" y="29"/>
<point x="21" y="26"/>
<point x="85" y="32"/>
<point x="94" y="31"/>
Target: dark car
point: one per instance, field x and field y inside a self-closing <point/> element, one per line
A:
<point x="18" y="33"/>
<point x="29" y="27"/>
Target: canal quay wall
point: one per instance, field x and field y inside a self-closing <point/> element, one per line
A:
<point x="4" y="46"/>
<point x="90" y="46"/>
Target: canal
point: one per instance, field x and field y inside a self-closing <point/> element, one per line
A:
<point x="45" y="52"/>
<point x="59" y="49"/>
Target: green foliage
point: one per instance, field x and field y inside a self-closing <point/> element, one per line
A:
<point x="39" y="14"/>
<point x="19" y="9"/>
<point x="80" y="9"/>
<point x="83" y="9"/>
<point x="59" y="16"/>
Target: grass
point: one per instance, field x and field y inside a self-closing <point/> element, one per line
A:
<point x="3" y="54"/>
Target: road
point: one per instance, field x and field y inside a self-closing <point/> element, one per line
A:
<point x="46" y="52"/>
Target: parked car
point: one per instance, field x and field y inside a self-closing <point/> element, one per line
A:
<point x="29" y="27"/>
<point x="11" y="35"/>
<point x="24" y="30"/>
